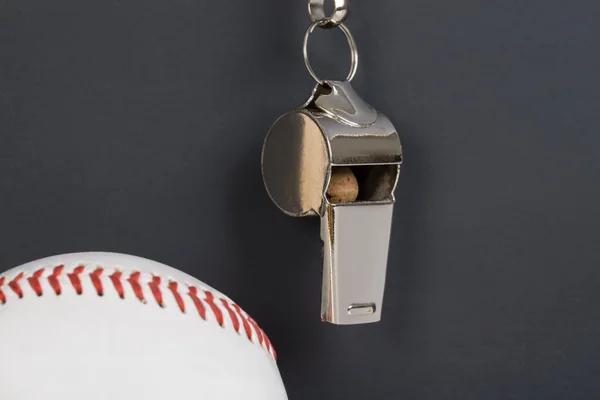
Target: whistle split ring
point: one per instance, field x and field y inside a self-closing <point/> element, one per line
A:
<point x="351" y="44"/>
<point x="316" y="11"/>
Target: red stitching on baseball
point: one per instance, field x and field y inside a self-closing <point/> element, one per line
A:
<point x="234" y="312"/>
<point x="14" y="285"/>
<point x="95" y="277"/>
<point x="263" y="338"/>
<point x="245" y="322"/>
<point x="232" y="316"/>
<point x="155" y="289"/>
<point x="75" y="281"/>
<point x="270" y="347"/>
<point x="173" y="288"/>
<point x="210" y="299"/>
<point x="257" y="330"/>
<point x="134" y="281"/>
<point x="116" y="280"/>
<point x="34" y="281"/>
<point x="53" y="279"/>
<point x="2" y="296"/>
<point x="193" y="293"/>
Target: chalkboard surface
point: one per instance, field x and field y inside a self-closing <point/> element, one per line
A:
<point x="136" y="126"/>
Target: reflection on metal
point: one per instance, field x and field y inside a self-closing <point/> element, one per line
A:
<point x="335" y="127"/>
<point x="316" y="12"/>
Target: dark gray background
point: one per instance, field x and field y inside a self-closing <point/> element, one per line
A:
<point x="136" y="127"/>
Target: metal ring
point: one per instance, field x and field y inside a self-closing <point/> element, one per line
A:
<point x="351" y="43"/>
<point x="316" y="11"/>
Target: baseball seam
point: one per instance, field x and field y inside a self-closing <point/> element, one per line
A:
<point x="204" y="301"/>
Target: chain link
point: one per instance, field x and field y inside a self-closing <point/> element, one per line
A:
<point x="316" y="12"/>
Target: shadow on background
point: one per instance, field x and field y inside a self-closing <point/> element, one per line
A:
<point x="277" y="257"/>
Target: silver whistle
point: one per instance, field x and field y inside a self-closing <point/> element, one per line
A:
<point x="335" y="130"/>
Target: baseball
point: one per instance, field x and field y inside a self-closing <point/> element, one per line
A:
<point x="100" y="326"/>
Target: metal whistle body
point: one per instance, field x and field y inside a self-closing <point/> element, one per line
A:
<point x="336" y="128"/>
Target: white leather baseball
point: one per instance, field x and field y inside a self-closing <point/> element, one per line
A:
<point x="100" y="326"/>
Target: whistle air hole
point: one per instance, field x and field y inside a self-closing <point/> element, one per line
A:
<point x="361" y="183"/>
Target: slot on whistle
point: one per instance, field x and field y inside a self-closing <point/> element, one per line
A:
<point x="361" y="183"/>
<point x="361" y="309"/>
